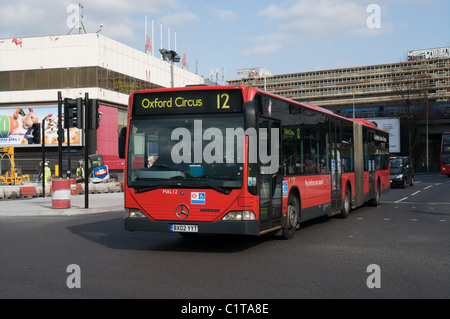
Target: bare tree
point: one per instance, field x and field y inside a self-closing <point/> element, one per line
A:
<point x="411" y="96"/>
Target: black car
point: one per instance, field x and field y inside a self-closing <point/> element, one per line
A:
<point x="402" y="172"/>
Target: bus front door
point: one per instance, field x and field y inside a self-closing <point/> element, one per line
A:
<point x="336" y="167"/>
<point x="371" y="162"/>
<point x="270" y="201"/>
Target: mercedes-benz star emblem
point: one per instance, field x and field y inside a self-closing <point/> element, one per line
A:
<point x="182" y="211"/>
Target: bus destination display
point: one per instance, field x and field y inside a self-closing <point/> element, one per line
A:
<point x="183" y="102"/>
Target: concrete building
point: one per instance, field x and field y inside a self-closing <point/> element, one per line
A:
<point x="33" y="70"/>
<point x="416" y="92"/>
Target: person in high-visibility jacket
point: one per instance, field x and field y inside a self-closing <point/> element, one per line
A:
<point x="47" y="173"/>
<point x="80" y="171"/>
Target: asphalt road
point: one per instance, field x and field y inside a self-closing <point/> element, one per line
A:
<point x="407" y="238"/>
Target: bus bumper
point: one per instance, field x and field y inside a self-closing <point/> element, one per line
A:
<point x="241" y="227"/>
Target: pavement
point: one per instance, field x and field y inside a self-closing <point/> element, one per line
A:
<point x="42" y="206"/>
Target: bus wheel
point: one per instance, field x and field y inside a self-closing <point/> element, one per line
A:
<point x="345" y="210"/>
<point x="376" y="200"/>
<point x="288" y="231"/>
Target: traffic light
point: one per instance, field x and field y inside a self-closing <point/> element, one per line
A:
<point x="94" y="114"/>
<point x="73" y="113"/>
<point x="36" y="133"/>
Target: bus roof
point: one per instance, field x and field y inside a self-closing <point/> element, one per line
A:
<point x="365" y="122"/>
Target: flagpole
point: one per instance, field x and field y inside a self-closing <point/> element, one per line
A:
<point x="160" y="30"/>
<point x="153" y="37"/>
<point x="145" y="38"/>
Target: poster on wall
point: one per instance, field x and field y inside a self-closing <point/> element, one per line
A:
<point x="16" y="127"/>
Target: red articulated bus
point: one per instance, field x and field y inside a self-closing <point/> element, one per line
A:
<point x="445" y="154"/>
<point x="238" y="160"/>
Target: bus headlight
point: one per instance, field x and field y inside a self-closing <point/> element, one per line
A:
<point x="134" y="213"/>
<point x="240" y="215"/>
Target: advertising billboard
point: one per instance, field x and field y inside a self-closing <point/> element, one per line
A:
<point x="16" y="127"/>
<point x="391" y="125"/>
<point x="429" y="54"/>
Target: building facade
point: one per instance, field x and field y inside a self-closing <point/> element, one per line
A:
<point x="33" y="70"/>
<point x="416" y="92"/>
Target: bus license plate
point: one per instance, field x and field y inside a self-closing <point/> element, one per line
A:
<point x="184" y="228"/>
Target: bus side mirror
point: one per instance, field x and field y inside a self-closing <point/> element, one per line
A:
<point x="122" y="142"/>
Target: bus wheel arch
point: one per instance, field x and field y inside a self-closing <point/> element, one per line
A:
<point x="292" y="214"/>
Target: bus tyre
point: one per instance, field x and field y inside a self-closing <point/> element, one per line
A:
<point x="376" y="200"/>
<point x="292" y="219"/>
<point x="347" y="204"/>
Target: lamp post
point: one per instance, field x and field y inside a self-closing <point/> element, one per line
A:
<point x="353" y="90"/>
<point x="170" y="56"/>
<point x="43" y="153"/>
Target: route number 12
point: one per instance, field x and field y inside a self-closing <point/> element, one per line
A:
<point x="222" y="101"/>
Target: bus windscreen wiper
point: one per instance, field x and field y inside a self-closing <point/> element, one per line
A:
<point x="139" y="189"/>
<point x="217" y="188"/>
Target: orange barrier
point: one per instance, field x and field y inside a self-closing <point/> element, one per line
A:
<point x="28" y="191"/>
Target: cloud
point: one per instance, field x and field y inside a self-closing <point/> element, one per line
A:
<point x="120" y="18"/>
<point x="317" y="16"/>
<point x="267" y="44"/>
<point x="224" y="15"/>
<point x="307" y="20"/>
<point x="179" y="19"/>
<point x="19" y="18"/>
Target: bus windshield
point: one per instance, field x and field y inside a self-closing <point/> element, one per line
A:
<point x="445" y="151"/>
<point x="185" y="152"/>
<point x="446" y="158"/>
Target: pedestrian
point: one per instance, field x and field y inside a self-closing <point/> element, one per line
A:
<point x="40" y="170"/>
<point x="80" y="171"/>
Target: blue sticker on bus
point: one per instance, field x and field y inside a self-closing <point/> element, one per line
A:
<point x="285" y="188"/>
<point x="198" y="197"/>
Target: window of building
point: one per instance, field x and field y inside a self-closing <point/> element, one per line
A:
<point x="17" y="80"/>
<point x="30" y="80"/>
<point x="5" y="81"/>
<point x="55" y="78"/>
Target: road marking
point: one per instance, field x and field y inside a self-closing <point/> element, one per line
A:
<point x="413" y="219"/>
<point x="415" y="193"/>
<point x="401" y="200"/>
<point x="428" y="187"/>
<point x="386" y="219"/>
